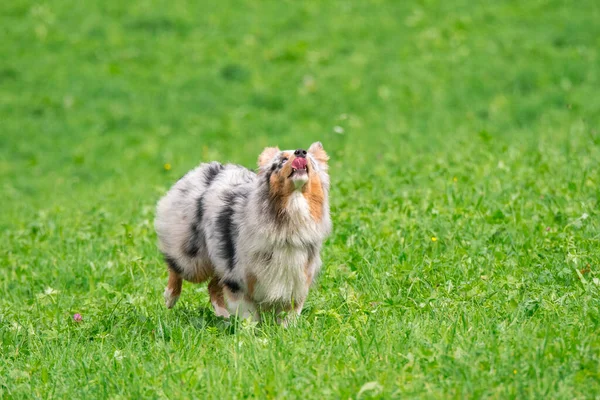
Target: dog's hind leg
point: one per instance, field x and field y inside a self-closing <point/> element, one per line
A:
<point x="173" y="289"/>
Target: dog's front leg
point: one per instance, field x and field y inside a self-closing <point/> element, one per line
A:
<point x="241" y="305"/>
<point x="291" y="313"/>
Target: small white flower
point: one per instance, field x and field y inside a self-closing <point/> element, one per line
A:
<point x="49" y="291"/>
<point x="338" y="129"/>
<point x="584" y="216"/>
<point x="118" y="356"/>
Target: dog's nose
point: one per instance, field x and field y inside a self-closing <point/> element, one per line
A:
<point x="300" y="153"/>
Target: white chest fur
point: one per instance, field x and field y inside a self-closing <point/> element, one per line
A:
<point x="283" y="275"/>
<point x="283" y="278"/>
<point x="298" y="208"/>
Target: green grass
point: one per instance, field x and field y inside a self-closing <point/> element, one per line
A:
<point x="465" y="142"/>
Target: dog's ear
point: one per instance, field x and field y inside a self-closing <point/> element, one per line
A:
<point x="267" y="155"/>
<point x="318" y="152"/>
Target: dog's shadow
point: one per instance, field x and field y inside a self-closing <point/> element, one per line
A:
<point x="204" y="318"/>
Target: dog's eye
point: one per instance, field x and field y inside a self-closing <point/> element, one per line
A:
<point x="283" y="160"/>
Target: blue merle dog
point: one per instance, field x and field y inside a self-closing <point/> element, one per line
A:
<point x="256" y="237"/>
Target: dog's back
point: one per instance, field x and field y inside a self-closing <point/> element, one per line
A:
<point x="190" y="210"/>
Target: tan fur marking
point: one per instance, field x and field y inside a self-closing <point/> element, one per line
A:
<point x="174" y="283"/>
<point x="286" y="170"/>
<point x="307" y="272"/>
<point x="215" y="290"/>
<point x="309" y="277"/>
<point x="281" y="188"/>
<point x="251" y="283"/>
<point x="313" y="193"/>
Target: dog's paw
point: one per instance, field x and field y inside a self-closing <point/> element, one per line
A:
<point x="287" y="320"/>
<point x="170" y="300"/>
<point x="219" y="310"/>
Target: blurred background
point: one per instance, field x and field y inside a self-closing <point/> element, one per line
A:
<point x="97" y="97"/>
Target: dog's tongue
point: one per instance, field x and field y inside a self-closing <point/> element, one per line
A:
<point x="299" y="163"/>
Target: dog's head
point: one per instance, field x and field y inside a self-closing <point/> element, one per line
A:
<point x="299" y="170"/>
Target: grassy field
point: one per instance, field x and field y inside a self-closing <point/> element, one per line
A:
<point x="465" y="145"/>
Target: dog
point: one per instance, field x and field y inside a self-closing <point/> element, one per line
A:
<point x="257" y="236"/>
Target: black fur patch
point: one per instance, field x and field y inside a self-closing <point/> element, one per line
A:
<point x="227" y="229"/>
<point x="269" y="173"/>
<point x="193" y="247"/>
<point x="199" y="209"/>
<point x="211" y="172"/>
<point x="232" y="285"/>
<point x="172" y="264"/>
<point x="197" y="237"/>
